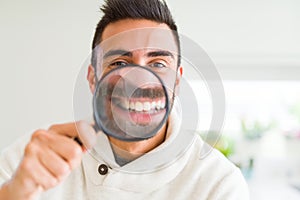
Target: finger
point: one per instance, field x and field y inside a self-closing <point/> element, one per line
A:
<point x="67" y="129"/>
<point x="33" y="174"/>
<point x="66" y="148"/>
<point x="63" y="146"/>
<point x="56" y="165"/>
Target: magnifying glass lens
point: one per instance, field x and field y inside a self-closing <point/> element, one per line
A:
<point x="130" y="103"/>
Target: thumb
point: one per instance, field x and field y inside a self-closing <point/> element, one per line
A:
<point x="67" y="129"/>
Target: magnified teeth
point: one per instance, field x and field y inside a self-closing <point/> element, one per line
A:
<point x="158" y="104"/>
<point x="153" y="105"/>
<point x="163" y="104"/>
<point x="138" y="106"/>
<point x="126" y="104"/>
<point x="132" y="106"/>
<point x="147" y="106"/>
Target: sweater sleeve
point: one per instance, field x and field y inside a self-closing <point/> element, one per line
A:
<point x="10" y="158"/>
<point x="232" y="187"/>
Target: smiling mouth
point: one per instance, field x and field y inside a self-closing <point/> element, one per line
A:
<point x="140" y="105"/>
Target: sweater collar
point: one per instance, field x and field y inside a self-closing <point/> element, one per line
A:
<point x="162" y="163"/>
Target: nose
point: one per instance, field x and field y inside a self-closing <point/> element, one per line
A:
<point x="138" y="76"/>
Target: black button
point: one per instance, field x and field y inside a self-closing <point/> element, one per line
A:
<point x="102" y="169"/>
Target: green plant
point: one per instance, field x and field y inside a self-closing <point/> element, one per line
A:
<point x="224" y="144"/>
<point x="255" y="129"/>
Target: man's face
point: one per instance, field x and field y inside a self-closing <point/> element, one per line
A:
<point x="139" y="42"/>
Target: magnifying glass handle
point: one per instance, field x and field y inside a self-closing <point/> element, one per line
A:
<point x="76" y="139"/>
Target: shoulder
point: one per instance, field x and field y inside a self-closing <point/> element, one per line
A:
<point x="214" y="174"/>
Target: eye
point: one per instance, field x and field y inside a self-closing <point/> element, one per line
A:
<point x="119" y="64"/>
<point x="157" y="65"/>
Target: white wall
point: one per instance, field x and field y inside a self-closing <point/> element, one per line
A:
<point x="247" y="39"/>
<point x="44" y="43"/>
<point x="42" y="47"/>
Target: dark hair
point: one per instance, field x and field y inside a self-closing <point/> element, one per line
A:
<point x="115" y="10"/>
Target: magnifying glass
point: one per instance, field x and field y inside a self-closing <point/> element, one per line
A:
<point x="130" y="103"/>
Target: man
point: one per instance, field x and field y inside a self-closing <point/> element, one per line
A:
<point x="52" y="165"/>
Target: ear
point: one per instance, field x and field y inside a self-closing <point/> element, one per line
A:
<point x="91" y="78"/>
<point x="179" y="75"/>
<point x="178" y="78"/>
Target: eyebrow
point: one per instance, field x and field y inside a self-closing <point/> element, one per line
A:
<point x="117" y="52"/>
<point x="120" y="52"/>
<point x="160" y="53"/>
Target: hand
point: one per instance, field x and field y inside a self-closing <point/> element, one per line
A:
<point x="49" y="158"/>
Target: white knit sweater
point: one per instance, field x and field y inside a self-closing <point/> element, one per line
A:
<point x="167" y="172"/>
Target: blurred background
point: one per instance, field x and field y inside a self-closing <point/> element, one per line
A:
<point x="255" y="46"/>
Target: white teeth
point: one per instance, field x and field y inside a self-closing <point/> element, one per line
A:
<point x="158" y="105"/>
<point x="163" y="104"/>
<point x="143" y="106"/>
<point x="147" y="106"/>
<point x="132" y="106"/>
<point x="138" y="106"/>
<point x="126" y="104"/>
<point x="153" y="105"/>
